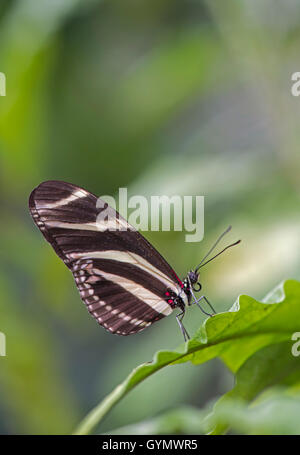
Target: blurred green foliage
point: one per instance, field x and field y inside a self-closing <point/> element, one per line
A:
<point x="163" y="97"/>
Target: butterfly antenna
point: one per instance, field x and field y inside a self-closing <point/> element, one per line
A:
<point x="213" y="247"/>
<point x="226" y="248"/>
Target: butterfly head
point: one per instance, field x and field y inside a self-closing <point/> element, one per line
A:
<point x="193" y="277"/>
<point x="191" y="281"/>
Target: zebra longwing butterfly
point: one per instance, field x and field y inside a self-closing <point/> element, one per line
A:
<point x="123" y="280"/>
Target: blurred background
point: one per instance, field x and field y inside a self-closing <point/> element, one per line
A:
<point x="183" y="97"/>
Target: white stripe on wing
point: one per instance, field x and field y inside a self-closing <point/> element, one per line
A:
<point x="109" y="225"/>
<point x="130" y="258"/>
<point x="155" y="302"/>
<point x="52" y="205"/>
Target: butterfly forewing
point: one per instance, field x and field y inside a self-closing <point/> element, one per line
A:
<point x="121" y="278"/>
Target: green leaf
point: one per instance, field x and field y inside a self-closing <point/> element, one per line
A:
<point x="269" y="366"/>
<point x="276" y="413"/>
<point x="248" y="327"/>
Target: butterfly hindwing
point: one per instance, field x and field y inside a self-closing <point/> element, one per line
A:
<point x="118" y="303"/>
<point x="120" y="276"/>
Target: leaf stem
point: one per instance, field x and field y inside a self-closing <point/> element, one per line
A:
<point x="96" y="415"/>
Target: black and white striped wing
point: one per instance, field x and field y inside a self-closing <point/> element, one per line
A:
<point x="121" y="277"/>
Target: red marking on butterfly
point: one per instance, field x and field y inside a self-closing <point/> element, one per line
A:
<point x="179" y="280"/>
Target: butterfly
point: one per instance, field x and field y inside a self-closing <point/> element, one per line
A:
<point x="123" y="280"/>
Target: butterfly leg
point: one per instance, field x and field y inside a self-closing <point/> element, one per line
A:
<point x="208" y="303"/>
<point x="196" y="301"/>
<point x="179" y="318"/>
